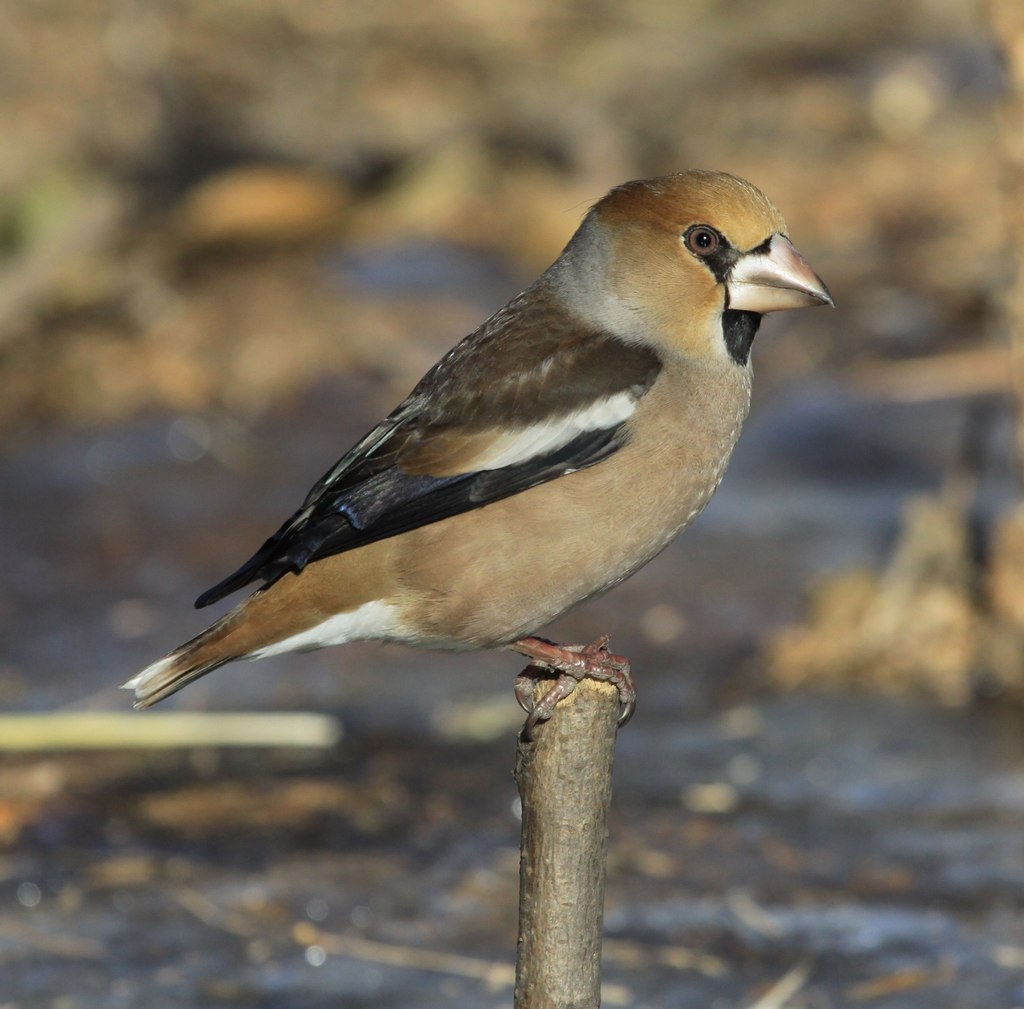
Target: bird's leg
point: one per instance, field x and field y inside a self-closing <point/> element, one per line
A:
<point x="573" y="663"/>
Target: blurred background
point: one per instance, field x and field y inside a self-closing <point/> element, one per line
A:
<point x="234" y="234"/>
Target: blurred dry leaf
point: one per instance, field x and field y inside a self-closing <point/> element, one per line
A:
<point x="1006" y="571"/>
<point x="972" y="372"/>
<point x="910" y="629"/>
<point x="934" y="622"/>
<point x="261" y="205"/>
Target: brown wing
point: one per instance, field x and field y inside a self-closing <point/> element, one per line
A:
<point x="525" y="399"/>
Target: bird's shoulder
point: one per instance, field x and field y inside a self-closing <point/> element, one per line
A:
<point x="532" y="360"/>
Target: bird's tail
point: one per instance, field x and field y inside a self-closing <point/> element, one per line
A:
<point x="188" y="662"/>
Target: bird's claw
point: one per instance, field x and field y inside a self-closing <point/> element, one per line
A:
<point x="572" y="663"/>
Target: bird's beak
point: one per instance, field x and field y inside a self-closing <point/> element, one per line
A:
<point x="775" y="279"/>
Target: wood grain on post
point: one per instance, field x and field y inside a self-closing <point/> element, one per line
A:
<point x="565" y="782"/>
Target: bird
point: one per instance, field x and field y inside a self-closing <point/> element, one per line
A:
<point x="544" y="459"/>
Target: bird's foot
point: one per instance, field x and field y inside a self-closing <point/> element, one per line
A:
<point x="572" y="663"/>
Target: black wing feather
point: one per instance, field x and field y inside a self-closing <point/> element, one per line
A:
<point x="392" y="502"/>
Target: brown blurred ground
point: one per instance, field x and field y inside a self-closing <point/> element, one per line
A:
<point x="169" y="173"/>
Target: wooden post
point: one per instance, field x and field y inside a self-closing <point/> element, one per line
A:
<point x="565" y="782"/>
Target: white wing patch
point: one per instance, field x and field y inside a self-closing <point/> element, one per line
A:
<point x="521" y="445"/>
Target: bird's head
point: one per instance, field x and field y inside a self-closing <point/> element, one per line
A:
<point x="689" y="262"/>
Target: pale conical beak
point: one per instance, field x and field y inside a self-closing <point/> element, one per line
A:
<point x="773" y="280"/>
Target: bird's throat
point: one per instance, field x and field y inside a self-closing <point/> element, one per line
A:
<point x="738" y="331"/>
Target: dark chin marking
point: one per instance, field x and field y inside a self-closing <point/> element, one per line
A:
<point x="738" y="331"/>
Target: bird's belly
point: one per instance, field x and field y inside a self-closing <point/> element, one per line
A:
<point x="508" y="569"/>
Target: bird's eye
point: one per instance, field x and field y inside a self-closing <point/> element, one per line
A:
<point x="702" y="240"/>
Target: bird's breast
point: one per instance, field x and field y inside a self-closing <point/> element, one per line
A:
<point x="682" y="442"/>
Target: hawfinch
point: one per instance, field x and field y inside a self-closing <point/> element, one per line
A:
<point x="542" y="460"/>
